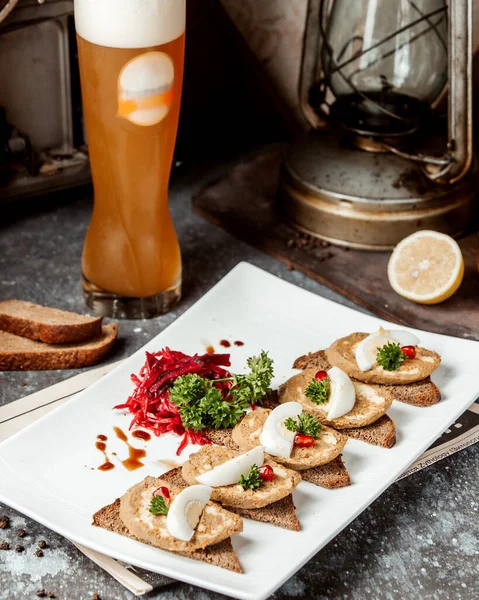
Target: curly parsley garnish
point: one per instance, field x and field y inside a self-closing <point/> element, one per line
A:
<point x="158" y="506"/>
<point x="252" y="481"/>
<point x="390" y="357"/>
<point x="201" y="404"/>
<point x="306" y="424"/>
<point x="318" y="391"/>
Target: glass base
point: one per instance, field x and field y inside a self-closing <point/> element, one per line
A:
<point x="112" y="305"/>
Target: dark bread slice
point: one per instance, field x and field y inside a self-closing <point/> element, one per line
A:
<point x="419" y="393"/>
<point x="21" y="354"/>
<point x="48" y="325"/>
<point x="380" y="433"/>
<point x="221" y="555"/>
<point x="280" y="513"/>
<point x="331" y="475"/>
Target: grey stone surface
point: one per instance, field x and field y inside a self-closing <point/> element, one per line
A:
<point x="418" y="540"/>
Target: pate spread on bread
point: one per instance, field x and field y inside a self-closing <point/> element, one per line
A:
<point x="209" y="457"/>
<point x="325" y="448"/>
<point x="215" y="523"/>
<point x="342" y="354"/>
<point x="371" y="403"/>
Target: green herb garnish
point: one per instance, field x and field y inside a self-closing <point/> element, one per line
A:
<point x="253" y="480"/>
<point x="158" y="506"/>
<point x="306" y="424"/>
<point x="390" y="357"/>
<point x="201" y="404"/>
<point x="318" y="391"/>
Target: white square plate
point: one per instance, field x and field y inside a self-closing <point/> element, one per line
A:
<point x="46" y="469"/>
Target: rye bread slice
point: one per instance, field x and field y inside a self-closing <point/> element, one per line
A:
<point x="221" y="555"/>
<point x="380" y="433"/>
<point x="419" y="393"/>
<point x="49" y="325"/>
<point x="331" y="475"/>
<point x="280" y="513"/>
<point x="21" y="354"/>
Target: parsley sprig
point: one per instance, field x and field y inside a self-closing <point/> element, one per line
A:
<point x="158" y="506"/>
<point x="201" y="404"/>
<point x="306" y="424"/>
<point x="252" y="481"/>
<point x="318" y="391"/>
<point x="390" y="357"/>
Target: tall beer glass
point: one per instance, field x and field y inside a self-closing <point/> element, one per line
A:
<point x="131" y="55"/>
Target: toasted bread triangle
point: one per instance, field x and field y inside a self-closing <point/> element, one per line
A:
<point x="280" y="513"/>
<point x="419" y="393"/>
<point x="221" y="555"/>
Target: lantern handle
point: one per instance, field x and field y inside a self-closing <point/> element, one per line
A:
<point x="310" y="63"/>
<point x="459" y="144"/>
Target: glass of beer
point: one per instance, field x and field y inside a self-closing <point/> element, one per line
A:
<point x="131" y="55"/>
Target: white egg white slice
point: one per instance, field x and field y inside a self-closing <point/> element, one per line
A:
<point x="342" y="395"/>
<point x="185" y="511"/>
<point x="367" y="350"/>
<point x="230" y="471"/>
<point x="275" y="438"/>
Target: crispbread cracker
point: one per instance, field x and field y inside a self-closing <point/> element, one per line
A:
<point x="280" y="513"/>
<point x="419" y="393"/>
<point x="372" y="401"/>
<point x="325" y="449"/>
<point x="221" y="555"/>
<point x="341" y="354"/>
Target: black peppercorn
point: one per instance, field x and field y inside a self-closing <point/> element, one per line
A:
<point x="42" y="544"/>
<point x="4" y="522"/>
<point x="96" y="596"/>
<point x="39" y="553"/>
<point x="41" y="593"/>
<point x="21" y="533"/>
<point x="19" y="548"/>
<point x="4" y="545"/>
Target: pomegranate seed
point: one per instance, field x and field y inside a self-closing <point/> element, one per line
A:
<point x="303" y="441"/>
<point x="409" y="351"/>
<point x="266" y="473"/>
<point x="320" y="375"/>
<point x="162" y="491"/>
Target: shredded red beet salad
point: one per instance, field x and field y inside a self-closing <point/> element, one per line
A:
<point x="186" y="394"/>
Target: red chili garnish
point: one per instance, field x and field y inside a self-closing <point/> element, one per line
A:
<point x="266" y="473"/>
<point x="162" y="491"/>
<point x="409" y="351"/>
<point x="320" y="375"/>
<point x="303" y="441"/>
<point x="149" y="403"/>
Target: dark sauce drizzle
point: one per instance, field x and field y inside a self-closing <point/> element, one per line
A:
<point x="133" y="461"/>
<point x="100" y="445"/>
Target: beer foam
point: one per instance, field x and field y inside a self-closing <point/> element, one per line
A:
<point x="129" y="23"/>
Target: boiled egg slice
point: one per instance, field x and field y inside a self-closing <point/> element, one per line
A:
<point x="185" y="511"/>
<point x="367" y="350"/>
<point x="230" y="471"/>
<point x="276" y="439"/>
<point x="342" y="395"/>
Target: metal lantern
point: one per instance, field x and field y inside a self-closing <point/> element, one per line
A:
<point x="381" y="161"/>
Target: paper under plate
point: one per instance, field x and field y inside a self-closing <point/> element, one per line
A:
<point x="46" y="469"/>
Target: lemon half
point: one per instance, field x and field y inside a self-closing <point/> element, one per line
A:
<point x="426" y="267"/>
